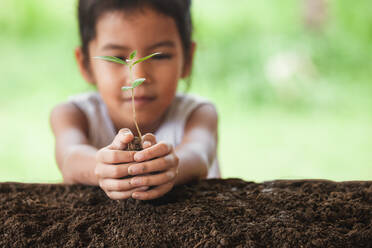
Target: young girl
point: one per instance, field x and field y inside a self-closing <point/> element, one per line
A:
<point x="93" y="129"/>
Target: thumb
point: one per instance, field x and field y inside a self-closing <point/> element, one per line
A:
<point x="148" y="140"/>
<point x="122" y="139"/>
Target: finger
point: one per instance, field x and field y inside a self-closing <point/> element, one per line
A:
<point x="151" y="179"/>
<point x="111" y="171"/>
<point x="109" y="184"/>
<point x="158" y="164"/>
<point x="148" y="140"/>
<point x="121" y="140"/>
<point x="158" y="150"/>
<point x="109" y="156"/>
<point x="153" y="193"/>
<point x="146" y="144"/>
<point x="120" y="195"/>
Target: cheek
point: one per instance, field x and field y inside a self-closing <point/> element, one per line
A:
<point x="167" y="89"/>
<point x="108" y="78"/>
<point x="168" y="75"/>
<point x="170" y="72"/>
<point x="107" y="72"/>
<point x="167" y="80"/>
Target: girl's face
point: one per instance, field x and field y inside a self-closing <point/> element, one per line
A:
<point x="147" y="31"/>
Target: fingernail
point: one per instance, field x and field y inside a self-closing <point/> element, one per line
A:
<point x="135" y="181"/>
<point x="170" y="174"/>
<point x="125" y="131"/>
<point x="133" y="170"/>
<point x="135" y="195"/>
<point x="146" y="144"/>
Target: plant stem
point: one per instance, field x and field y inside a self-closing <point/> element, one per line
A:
<point x="134" y="116"/>
<point x="133" y="107"/>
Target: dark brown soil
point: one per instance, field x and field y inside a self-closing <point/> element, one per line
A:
<point x="135" y="145"/>
<point x="209" y="213"/>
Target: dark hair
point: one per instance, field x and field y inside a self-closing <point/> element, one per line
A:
<point x="89" y="12"/>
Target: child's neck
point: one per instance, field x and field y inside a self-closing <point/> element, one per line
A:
<point x="151" y="128"/>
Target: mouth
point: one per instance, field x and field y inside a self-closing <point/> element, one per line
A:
<point x="141" y="100"/>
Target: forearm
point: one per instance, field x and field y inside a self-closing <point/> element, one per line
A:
<point x="79" y="164"/>
<point x="193" y="164"/>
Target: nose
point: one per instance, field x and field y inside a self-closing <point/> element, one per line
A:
<point x="140" y="70"/>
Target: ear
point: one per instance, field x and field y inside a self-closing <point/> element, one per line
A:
<point x="83" y="68"/>
<point x="188" y="64"/>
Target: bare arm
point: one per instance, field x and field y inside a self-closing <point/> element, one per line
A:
<point x="199" y="145"/>
<point x="76" y="158"/>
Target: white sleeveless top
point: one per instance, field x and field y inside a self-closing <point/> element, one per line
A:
<point x="102" y="131"/>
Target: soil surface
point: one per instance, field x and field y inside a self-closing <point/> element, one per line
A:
<point x="209" y="213"/>
<point x="134" y="145"/>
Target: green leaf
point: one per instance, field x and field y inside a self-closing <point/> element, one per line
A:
<point x="145" y="58"/>
<point x="125" y="88"/>
<point x="133" y="54"/>
<point x="138" y="82"/>
<point x="112" y="59"/>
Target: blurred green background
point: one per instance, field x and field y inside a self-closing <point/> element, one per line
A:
<point x="294" y="96"/>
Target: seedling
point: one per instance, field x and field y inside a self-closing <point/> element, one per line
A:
<point x="134" y="82"/>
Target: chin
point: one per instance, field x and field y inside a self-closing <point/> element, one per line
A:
<point x="148" y="119"/>
<point x="145" y="121"/>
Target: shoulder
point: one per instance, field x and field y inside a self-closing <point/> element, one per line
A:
<point x="75" y="110"/>
<point x="66" y="115"/>
<point x="85" y="98"/>
<point x="204" y="115"/>
<point x="204" y="112"/>
<point x="186" y="98"/>
<point x="191" y="102"/>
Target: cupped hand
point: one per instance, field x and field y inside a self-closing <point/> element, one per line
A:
<point x="156" y="165"/>
<point x="112" y="166"/>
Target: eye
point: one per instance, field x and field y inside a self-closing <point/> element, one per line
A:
<point x="162" y="56"/>
<point x="121" y="57"/>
